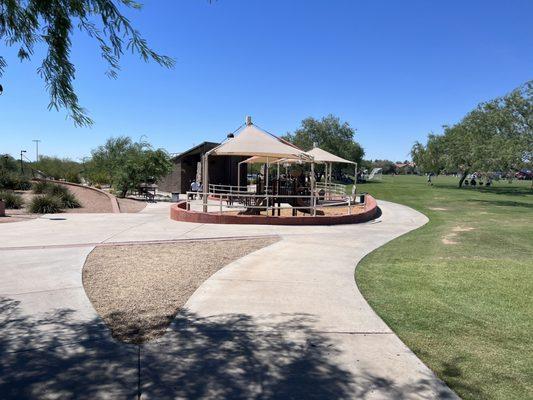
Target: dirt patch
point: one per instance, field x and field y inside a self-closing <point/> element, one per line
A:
<point x="287" y="212"/>
<point x="130" y="205"/>
<point x="138" y="289"/>
<point x="453" y="236"/>
<point x="91" y="201"/>
<point x="438" y="209"/>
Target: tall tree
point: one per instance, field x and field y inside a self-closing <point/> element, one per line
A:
<point x="329" y="134"/>
<point x="496" y="136"/>
<point x="125" y="164"/>
<point x="27" y="23"/>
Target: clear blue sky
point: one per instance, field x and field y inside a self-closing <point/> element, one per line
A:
<point x="395" y="70"/>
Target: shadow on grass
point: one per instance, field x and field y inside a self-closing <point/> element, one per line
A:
<point x="503" y="203"/>
<point x="228" y="357"/>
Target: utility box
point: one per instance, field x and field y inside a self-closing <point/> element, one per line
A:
<point x="175" y="197"/>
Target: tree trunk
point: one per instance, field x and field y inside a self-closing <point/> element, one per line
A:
<point x="463" y="177"/>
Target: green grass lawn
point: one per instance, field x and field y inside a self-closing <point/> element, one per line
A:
<point x="459" y="290"/>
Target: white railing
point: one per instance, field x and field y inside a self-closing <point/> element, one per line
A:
<point x="331" y="190"/>
<point x="215" y="188"/>
<point x="266" y="202"/>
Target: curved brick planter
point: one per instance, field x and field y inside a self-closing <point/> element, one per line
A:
<point x="179" y="213"/>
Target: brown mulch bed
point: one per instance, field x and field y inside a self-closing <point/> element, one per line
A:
<point x="138" y="289"/>
<point x="130" y="205"/>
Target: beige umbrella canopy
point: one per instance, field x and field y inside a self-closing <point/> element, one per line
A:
<point x="323" y="156"/>
<point x="252" y="141"/>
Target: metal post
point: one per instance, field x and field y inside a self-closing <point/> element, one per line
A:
<point x="350" y="205"/>
<point x="266" y="183"/>
<point x="220" y="197"/>
<point x="313" y="187"/>
<point x="36" y="149"/>
<point x="205" y="180"/>
<point x="355" y="181"/>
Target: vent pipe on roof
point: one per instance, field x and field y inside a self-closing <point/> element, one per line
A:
<point x="248" y="120"/>
<point x="230" y="135"/>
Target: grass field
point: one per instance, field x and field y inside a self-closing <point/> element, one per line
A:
<point x="459" y="291"/>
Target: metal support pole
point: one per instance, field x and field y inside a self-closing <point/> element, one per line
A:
<point x="266" y="183"/>
<point x="313" y="203"/>
<point x="205" y="180"/>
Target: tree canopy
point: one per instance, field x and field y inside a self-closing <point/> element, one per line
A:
<point x="125" y="164"/>
<point x="496" y="136"/>
<point x="329" y="134"/>
<point x="27" y="23"/>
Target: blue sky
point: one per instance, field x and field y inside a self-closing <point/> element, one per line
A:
<point x="395" y="70"/>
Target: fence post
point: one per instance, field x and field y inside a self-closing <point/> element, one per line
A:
<point x="220" y="197"/>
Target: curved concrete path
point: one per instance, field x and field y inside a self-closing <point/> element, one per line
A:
<point x="284" y="322"/>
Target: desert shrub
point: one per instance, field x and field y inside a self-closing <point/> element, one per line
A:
<point x="14" y="181"/>
<point x="21" y="183"/>
<point x="68" y="200"/>
<point x="12" y="200"/>
<point x="57" y="190"/>
<point x="41" y="187"/>
<point x="45" y="204"/>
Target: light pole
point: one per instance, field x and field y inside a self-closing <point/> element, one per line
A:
<point x="21" y="163"/>
<point x="36" y="149"/>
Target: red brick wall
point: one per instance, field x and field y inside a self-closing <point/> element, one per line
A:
<point x="179" y="213"/>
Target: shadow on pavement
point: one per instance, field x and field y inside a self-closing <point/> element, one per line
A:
<point x="227" y="357"/>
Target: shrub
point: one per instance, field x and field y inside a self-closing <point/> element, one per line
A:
<point x="45" y="205"/>
<point x="21" y="183"/>
<point x="12" y="200"/>
<point x="41" y="187"/>
<point x="14" y="181"/>
<point x="57" y="190"/>
<point x="68" y="200"/>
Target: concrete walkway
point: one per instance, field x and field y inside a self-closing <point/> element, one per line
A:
<point x="284" y="322"/>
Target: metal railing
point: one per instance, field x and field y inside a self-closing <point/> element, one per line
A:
<point x="331" y="190"/>
<point x="266" y="202"/>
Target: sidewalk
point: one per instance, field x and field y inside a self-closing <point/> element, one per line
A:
<point x="284" y="322"/>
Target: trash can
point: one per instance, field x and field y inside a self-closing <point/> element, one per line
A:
<point x="175" y="197"/>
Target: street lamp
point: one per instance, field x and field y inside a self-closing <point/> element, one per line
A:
<point x="21" y="164"/>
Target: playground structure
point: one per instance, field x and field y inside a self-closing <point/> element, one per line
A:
<point x="285" y="188"/>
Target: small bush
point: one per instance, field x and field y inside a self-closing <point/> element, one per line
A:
<point x="57" y="190"/>
<point x="21" y="183"/>
<point x="14" y="181"/>
<point x="41" y="187"/>
<point x="68" y="200"/>
<point x="12" y="200"/>
<point x="45" y="205"/>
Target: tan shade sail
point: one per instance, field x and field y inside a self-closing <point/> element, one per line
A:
<point x="252" y="141"/>
<point x="260" y="160"/>
<point x="323" y="156"/>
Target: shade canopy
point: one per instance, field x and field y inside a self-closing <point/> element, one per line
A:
<point x="323" y="156"/>
<point x="252" y="141"/>
<point x="260" y="160"/>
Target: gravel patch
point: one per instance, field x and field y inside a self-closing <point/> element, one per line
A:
<point x="138" y="289"/>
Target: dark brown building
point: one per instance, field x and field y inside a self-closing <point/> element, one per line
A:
<point x="222" y="169"/>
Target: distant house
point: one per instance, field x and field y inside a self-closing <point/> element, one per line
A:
<point x="222" y="169"/>
<point x="404" y="167"/>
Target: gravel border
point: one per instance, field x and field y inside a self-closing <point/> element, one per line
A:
<point x="138" y="289"/>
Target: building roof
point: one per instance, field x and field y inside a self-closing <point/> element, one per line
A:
<point x="200" y="148"/>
